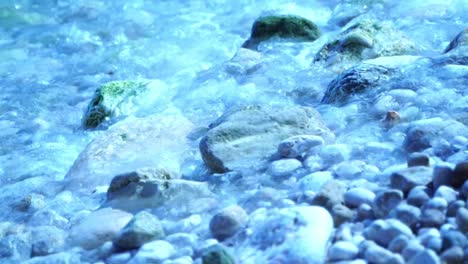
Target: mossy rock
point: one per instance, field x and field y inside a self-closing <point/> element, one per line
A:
<point x="108" y="98"/>
<point x="216" y="254"/>
<point x="283" y="26"/>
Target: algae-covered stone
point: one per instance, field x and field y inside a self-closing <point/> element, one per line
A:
<point x="245" y="138"/>
<point x="366" y="39"/>
<point x="216" y="254"/>
<point x="283" y="26"/>
<point x="11" y="17"/>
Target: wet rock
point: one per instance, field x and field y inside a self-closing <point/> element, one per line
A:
<point x="98" y="227"/>
<point x="452" y="255"/>
<point x="379" y="255"/>
<point x="385" y="201"/>
<point x="31" y="202"/>
<point x="341" y="214"/>
<point x="447" y="193"/>
<point x="149" y="188"/>
<point x="432" y="218"/>
<point x="314" y="181"/>
<point x="430" y="238"/>
<point x="62" y="258"/>
<point x="342" y="250"/>
<point x="364" y="212"/>
<point x="356" y="196"/>
<point x="117" y="98"/>
<point x="413" y="249"/>
<point x="143" y="228"/>
<point x="460" y="174"/>
<point x="398" y="244"/>
<point x="246" y="138"/>
<point x="462" y="219"/>
<point x="153" y="252"/>
<point x="298" y="146"/>
<point x="426" y="256"/>
<point x="159" y="140"/>
<point x="453" y="208"/>
<point x="283" y="26"/>
<point x="228" y="222"/>
<point x="443" y="175"/>
<point x="418" y="159"/>
<point x="418" y="196"/>
<point x="437" y="203"/>
<point x="453" y="238"/>
<point x="411" y="177"/>
<point x="331" y="194"/>
<point x="216" y="254"/>
<point x="407" y="214"/>
<point x="245" y="61"/>
<point x="47" y="240"/>
<point x="16" y="247"/>
<point x="461" y="40"/>
<point x="384" y="231"/>
<point x="48" y="217"/>
<point x="366" y="39"/>
<point x="281" y="169"/>
<point x="356" y="80"/>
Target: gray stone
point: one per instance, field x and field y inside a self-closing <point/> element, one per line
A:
<point x="58" y="258"/>
<point x="385" y="201"/>
<point x="425" y="257"/>
<point x="460" y="41"/>
<point x="244" y="62"/>
<point x="354" y="197"/>
<point x="408" y="178"/>
<point x="432" y="218"/>
<point x="246" y="138"/>
<point x="299" y="146"/>
<point x="153" y="252"/>
<point x="119" y="258"/>
<point x="430" y="238"/>
<point x="398" y="244"/>
<point x="364" y="212"/>
<point x="437" y="203"/>
<point x="341" y="214"/>
<point x="16" y="247"/>
<point x="281" y="169"/>
<point x="449" y="194"/>
<point x="47" y="240"/>
<point x="143" y="228"/>
<point x="407" y="214"/>
<point x="418" y="159"/>
<point x="379" y="255"/>
<point x="356" y="80"/>
<point x="411" y="250"/>
<point x="228" y="222"/>
<point x="443" y="175"/>
<point x="454" y="207"/>
<point x="452" y="255"/>
<point x="453" y="238"/>
<point x="462" y="220"/>
<point x="384" y="231"/>
<point x="342" y="250"/>
<point x="331" y="194"/>
<point x="314" y="181"/>
<point x="216" y="254"/>
<point x="460" y="174"/>
<point x="418" y="196"/>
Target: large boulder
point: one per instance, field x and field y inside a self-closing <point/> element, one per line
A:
<point x="157" y="141"/>
<point x="121" y="98"/>
<point x="356" y="80"/>
<point x="245" y="138"/>
<point x="283" y="26"/>
<point x="365" y="39"/>
<point x="155" y="189"/>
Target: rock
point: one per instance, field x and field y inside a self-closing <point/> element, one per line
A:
<point x="418" y="196"/>
<point x="31" y="202"/>
<point x="407" y="214"/>
<point x="398" y="244"/>
<point x="216" y="254"/>
<point x="119" y="258"/>
<point x="298" y="146"/>
<point x="384" y="231"/>
<point x="120" y="98"/>
<point x="453" y="238"/>
<point x="48" y="217"/>
<point x="425" y="133"/>
<point x="385" y="201"/>
<point x="149" y="188"/>
<point x="281" y="169"/>
<point x="228" y="222"/>
<point x="411" y="177"/>
<point x="447" y="193"/>
<point x="413" y="249"/>
<point x="143" y="228"/>
<point x="283" y="26"/>
<point x="16" y="247"/>
<point x="365" y="39"/>
<point x="452" y="255"/>
<point x="98" y="227"/>
<point x="356" y="80"/>
<point x="341" y="214"/>
<point x="47" y="240"/>
<point x="59" y="258"/>
<point x="430" y="238"/>
<point x="159" y="141"/>
<point x="464" y="189"/>
<point x="443" y="175"/>
<point x="437" y="203"/>
<point x="153" y="252"/>
<point x="364" y="212"/>
<point x="331" y="194"/>
<point x="460" y="174"/>
<point x="299" y="234"/>
<point x="453" y="208"/>
<point x="246" y="138"/>
<point x="349" y="169"/>
<point x="342" y="250"/>
<point x="244" y="62"/>
<point x="418" y="159"/>
<point x="379" y="255"/>
<point x="461" y="40"/>
<point x="356" y="196"/>
<point x="346" y="11"/>
<point x="432" y="218"/>
<point x="314" y="181"/>
<point x="462" y="219"/>
<point x="425" y="257"/>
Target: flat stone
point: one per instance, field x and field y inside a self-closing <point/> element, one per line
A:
<point x="228" y="222"/>
<point x="354" y="197"/>
<point x="342" y="250"/>
<point x="408" y="178"/>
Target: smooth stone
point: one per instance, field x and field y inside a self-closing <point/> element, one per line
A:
<point x="58" y="258"/>
<point x="143" y="228"/>
<point x="384" y="231"/>
<point x="418" y="196"/>
<point x="432" y="218"/>
<point x="437" y="203"/>
<point x="430" y="238"/>
<point x="425" y="257"/>
<point x="398" y="244"/>
<point x="411" y="177"/>
<point x="331" y="193"/>
<point x="228" y="222"/>
<point x="314" y="181"/>
<point x="342" y="250"/>
<point x="464" y="189"/>
<point x="354" y="197"/>
<point x="453" y="208"/>
<point x="98" y="227"/>
<point x="418" y="159"/>
<point x="153" y="252"/>
<point x="334" y="153"/>
<point x="449" y="194"/>
<point x="299" y="146"/>
<point x="365" y="211"/>
<point x="180" y="260"/>
<point x="47" y="240"/>
<point x="180" y="240"/>
<point x="443" y="175"/>
<point x="119" y="258"/>
<point x="379" y="255"/>
<point x="462" y="219"/>
<point x="452" y="255"/>
<point x="216" y="254"/>
<point x="453" y="238"/>
<point x="281" y="169"/>
<point x="385" y="201"/>
<point x="460" y="174"/>
<point x="407" y="214"/>
<point x="341" y="214"/>
<point x="411" y="250"/>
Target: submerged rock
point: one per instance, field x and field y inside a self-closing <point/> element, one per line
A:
<point x="461" y="40"/>
<point x="356" y="80"/>
<point x="246" y="138"/>
<point x="228" y="222"/>
<point x="283" y="26"/>
<point x="216" y="254"/>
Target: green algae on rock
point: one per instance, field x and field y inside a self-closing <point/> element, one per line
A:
<point x="283" y="26"/>
<point x="108" y="99"/>
<point x="216" y="254"/>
